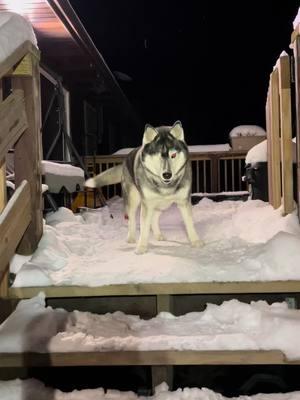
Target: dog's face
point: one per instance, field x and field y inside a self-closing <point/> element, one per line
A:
<point x="164" y="152"/>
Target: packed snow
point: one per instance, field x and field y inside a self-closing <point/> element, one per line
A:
<point x="247" y="130"/>
<point x="233" y="325"/>
<point x="14" y="31"/>
<point x="243" y="241"/>
<point x="35" y="390"/>
<point x="206" y="148"/>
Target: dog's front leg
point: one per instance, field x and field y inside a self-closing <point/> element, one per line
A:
<point x="145" y="225"/>
<point x="186" y="213"/>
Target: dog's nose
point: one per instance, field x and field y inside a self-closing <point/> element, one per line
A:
<point x="167" y="175"/>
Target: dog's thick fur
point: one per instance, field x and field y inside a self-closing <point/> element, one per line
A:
<point x="154" y="175"/>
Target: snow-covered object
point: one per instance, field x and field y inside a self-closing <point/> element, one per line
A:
<point x="233" y="325"/>
<point x="243" y="241"/>
<point x="247" y="130"/>
<point x="50" y="167"/>
<point x="14" y="31"/>
<point x="206" y="148"/>
<point x="59" y="175"/>
<point x="35" y="390"/>
<point x="257" y="153"/>
<point x="297" y="19"/>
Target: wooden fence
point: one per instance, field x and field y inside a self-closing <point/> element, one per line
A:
<point x="213" y="172"/>
<point x="20" y="217"/>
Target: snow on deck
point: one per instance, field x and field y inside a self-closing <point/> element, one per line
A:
<point x="243" y="241"/>
<point x="35" y="390"/>
<point x="233" y="325"/>
<point x="14" y="31"/>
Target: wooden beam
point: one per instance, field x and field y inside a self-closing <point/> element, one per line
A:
<point x="28" y="155"/>
<point x="296" y="48"/>
<point x="158" y="289"/>
<point x="13" y="121"/>
<point x="286" y="134"/>
<point x="13" y="223"/>
<point x="11" y="62"/>
<point x="169" y="357"/>
<point x="274" y="143"/>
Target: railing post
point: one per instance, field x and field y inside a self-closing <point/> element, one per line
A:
<point x="286" y="133"/>
<point x="3" y="200"/>
<point x="274" y="143"/>
<point x="296" y="48"/>
<point x="28" y="150"/>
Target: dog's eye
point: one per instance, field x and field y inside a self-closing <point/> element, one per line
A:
<point x="173" y="153"/>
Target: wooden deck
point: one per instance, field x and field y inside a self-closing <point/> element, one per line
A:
<point x="156" y="289"/>
<point x="151" y="358"/>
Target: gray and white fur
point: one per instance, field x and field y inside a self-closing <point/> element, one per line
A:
<point x="154" y="176"/>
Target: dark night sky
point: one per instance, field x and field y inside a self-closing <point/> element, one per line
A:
<point x="204" y="63"/>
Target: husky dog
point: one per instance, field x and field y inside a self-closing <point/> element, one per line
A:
<point x="154" y="175"/>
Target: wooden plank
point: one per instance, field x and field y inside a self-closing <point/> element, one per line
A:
<point x="144" y="358"/>
<point x="296" y="48"/>
<point x="273" y="137"/>
<point x="286" y="134"/>
<point x="158" y="289"/>
<point x="13" y="121"/>
<point x="164" y="302"/>
<point x="8" y="65"/>
<point x="13" y="223"/>
<point x="160" y="374"/>
<point x="28" y="156"/>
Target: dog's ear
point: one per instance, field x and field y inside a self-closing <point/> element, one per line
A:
<point x="149" y="134"/>
<point x="177" y="131"/>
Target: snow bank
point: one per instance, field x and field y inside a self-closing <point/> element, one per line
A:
<point x="14" y="31"/>
<point x="35" y="390"/>
<point x="240" y="238"/>
<point x="233" y="325"/>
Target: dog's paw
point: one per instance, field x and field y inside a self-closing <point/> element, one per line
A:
<point x="160" y="237"/>
<point x="141" y="250"/>
<point x="131" y="239"/>
<point x="197" y="243"/>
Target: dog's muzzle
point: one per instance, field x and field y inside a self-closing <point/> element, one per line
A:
<point x="167" y="177"/>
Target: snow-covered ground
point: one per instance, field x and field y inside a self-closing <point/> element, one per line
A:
<point x="35" y="390"/>
<point x="243" y="241"/>
<point x="233" y="325"/>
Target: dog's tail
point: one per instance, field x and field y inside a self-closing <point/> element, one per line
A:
<point x="108" y="177"/>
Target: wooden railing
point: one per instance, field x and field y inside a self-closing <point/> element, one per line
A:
<point x="279" y="136"/>
<point x="213" y="172"/>
<point x="20" y="217"/>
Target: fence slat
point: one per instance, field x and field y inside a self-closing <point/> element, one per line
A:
<point x="274" y="143"/>
<point x="13" y="121"/>
<point x="13" y="223"/>
<point x="296" y="48"/>
<point x="286" y="134"/>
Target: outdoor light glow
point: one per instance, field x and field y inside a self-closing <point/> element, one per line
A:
<point x="18" y="6"/>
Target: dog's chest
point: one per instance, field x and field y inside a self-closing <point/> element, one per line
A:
<point x="164" y="198"/>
